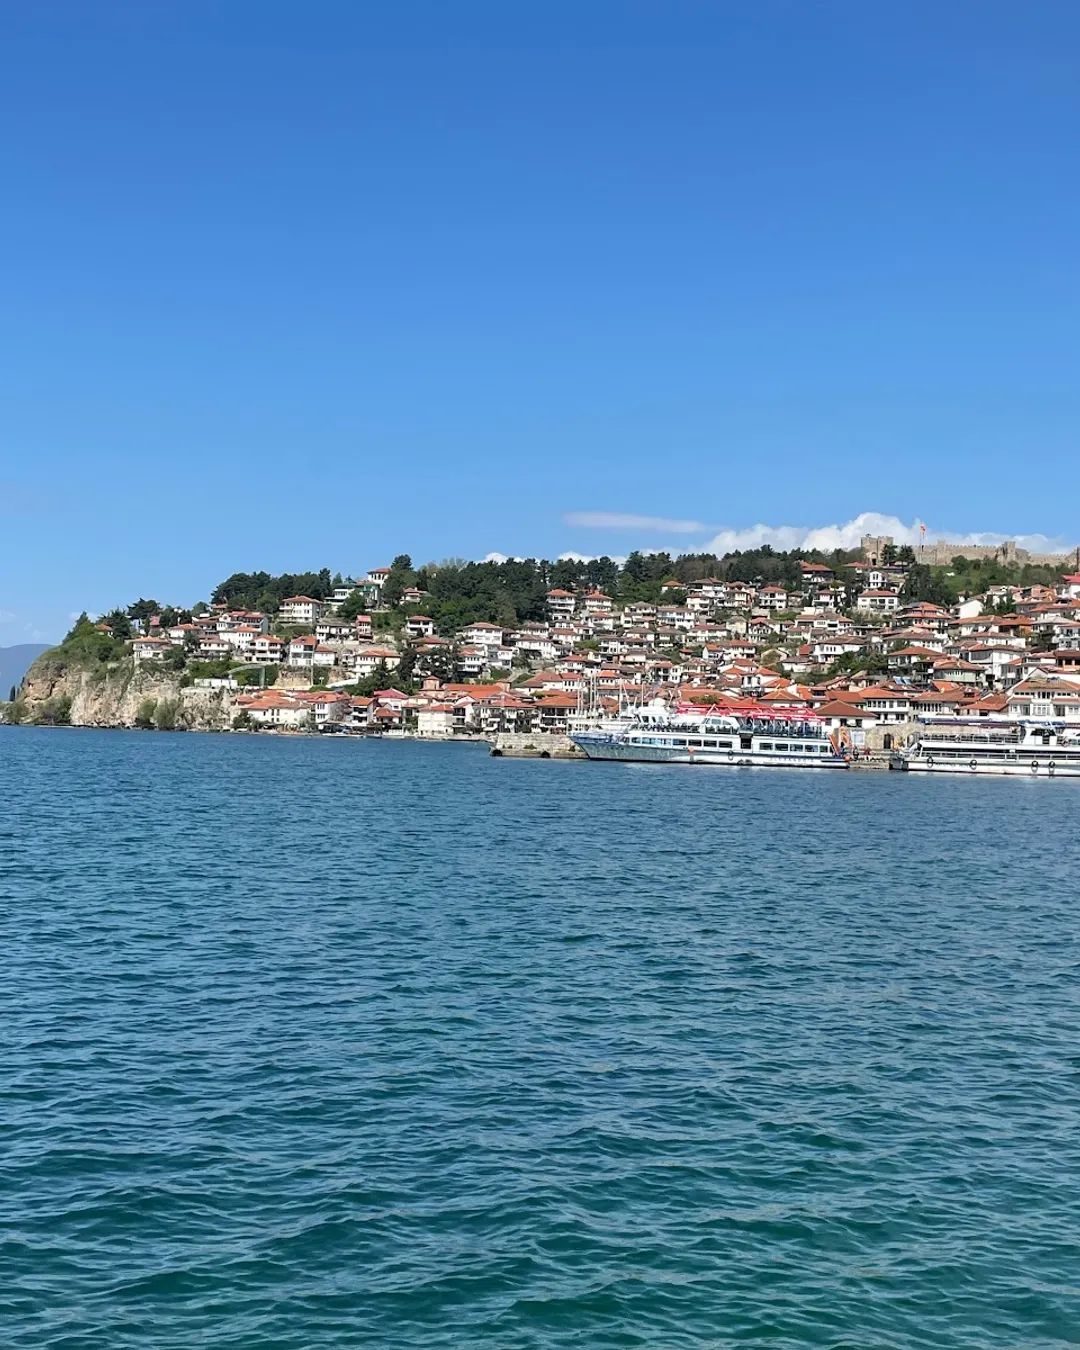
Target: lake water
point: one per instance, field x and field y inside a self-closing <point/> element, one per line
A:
<point x="314" y="1043"/>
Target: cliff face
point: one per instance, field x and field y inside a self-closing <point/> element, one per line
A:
<point x="120" y="695"/>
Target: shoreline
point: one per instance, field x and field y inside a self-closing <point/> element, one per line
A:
<point x="872" y="765"/>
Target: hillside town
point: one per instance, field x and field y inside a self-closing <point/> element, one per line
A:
<point x="843" y="640"/>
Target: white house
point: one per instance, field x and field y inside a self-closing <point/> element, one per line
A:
<point x="436" y="720"/>
<point x="536" y="647"/>
<point x="369" y="659"/>
<point x="877" y="601"/>
<point x="328" y="707"/>
<point x="279" y="710"/>
<point x="773" y="597"/>
<point x="824" y="651"/>
<point x="1070" y="586"/>
<point x="267" y="649"/>
<point x="483" y="635"/>
<point x="149" y="648"/>
<point x="214" y="647"/>
<point x="302" y="651"/>
<point x="1050" y="696"/>
<point x="300" y="609"/>
<point x="678" y="616"/>
<point x="560" y="604"/>
<point x="596" y="602"/>
<point x="242" y="638"/>
<point x="334" y="630"/>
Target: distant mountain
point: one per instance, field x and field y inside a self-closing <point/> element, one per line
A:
<point x="15" y="662"/>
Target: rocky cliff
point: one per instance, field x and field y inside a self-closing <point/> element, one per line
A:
<point x="119" y="694"/>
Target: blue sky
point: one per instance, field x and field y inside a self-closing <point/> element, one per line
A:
<point x="300" y="285"/>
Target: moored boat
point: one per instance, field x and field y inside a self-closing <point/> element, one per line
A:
<point x="1026" y="748"/>
<point x="655" y="733"/>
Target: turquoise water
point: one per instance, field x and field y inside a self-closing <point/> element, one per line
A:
<point x="322" y="1044"/>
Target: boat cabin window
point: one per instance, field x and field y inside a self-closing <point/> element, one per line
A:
<point x="723" y="745"/>
<point x="694" y="741"/>
<point x="780" y="746"/>
<point x="709" y="745"/>
<point x="765" y="745"/>
<point x="678" y="741"/>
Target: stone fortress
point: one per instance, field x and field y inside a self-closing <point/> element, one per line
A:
<point x="942" y="552"/>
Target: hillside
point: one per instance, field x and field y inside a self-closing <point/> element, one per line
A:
<point x="91" y="680"/>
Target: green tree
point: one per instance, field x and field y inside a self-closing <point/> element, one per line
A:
<point x="144" y="716"/>
<point x="406" y="666"/>
<point x="441" y="664"/>
<point x="119" y="622"/>
<point x="54" y="712"/>
<point x="261" y="677"/>
<point x="165" y="715"/>
<point x="353" y="605"/>
<point x="368" y="684"/>
<point x="143" y="610"/>
<point x="261" y="591"/>
<point x="926" y="584"/>
<point x="87" y="645"/>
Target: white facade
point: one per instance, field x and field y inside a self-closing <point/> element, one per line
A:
<point x="300" y="609"/>
<point x="877" y="602"/>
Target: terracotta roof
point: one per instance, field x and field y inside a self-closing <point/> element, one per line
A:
<point x="838" y="709"/>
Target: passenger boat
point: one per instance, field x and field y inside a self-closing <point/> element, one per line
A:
<point x="656" y="733"/>
<point x="1028" y="748"/>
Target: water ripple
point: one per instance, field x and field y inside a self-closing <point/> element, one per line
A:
<point x="325" y="1044"/>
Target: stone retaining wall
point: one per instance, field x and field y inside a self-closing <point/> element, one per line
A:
<point x="536" y="745"/>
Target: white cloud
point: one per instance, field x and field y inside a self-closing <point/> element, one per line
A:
<point x="7" y="616"/>
<point x="848" y="534"/>
<point x="619" y="558"/>
<point x="614" y="520"/>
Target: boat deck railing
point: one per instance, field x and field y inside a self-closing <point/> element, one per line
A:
<point x="974" y="738"/>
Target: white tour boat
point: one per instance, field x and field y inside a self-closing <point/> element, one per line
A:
<point x="782" y="738"/>
<point x="1028" y="748"/>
